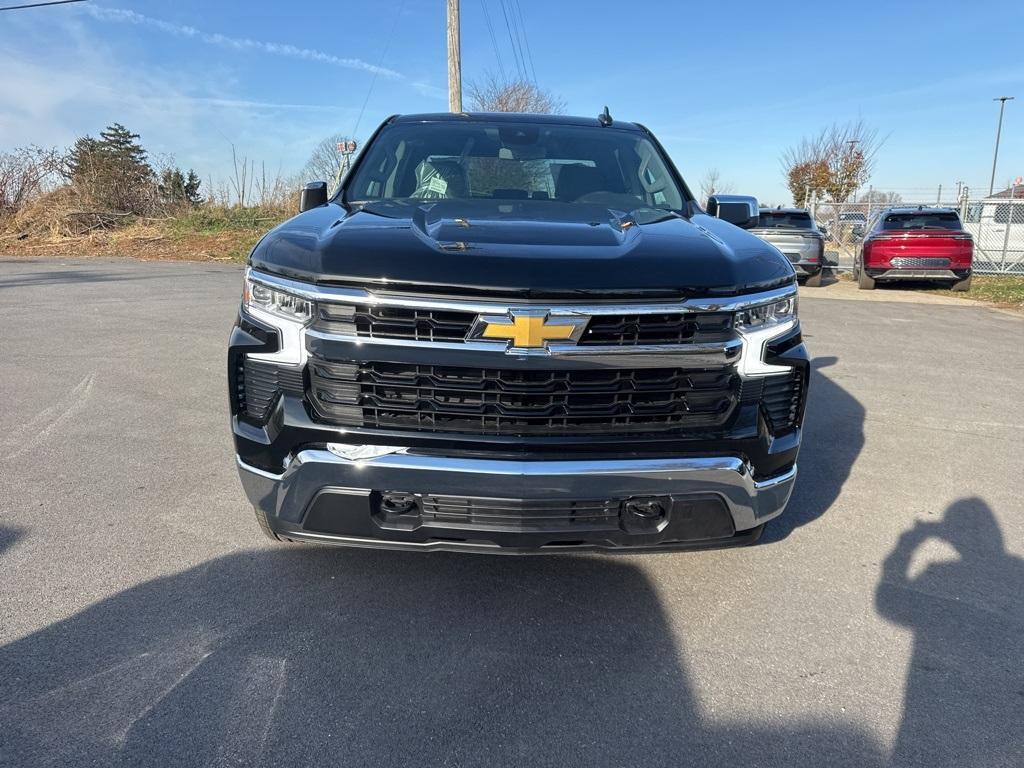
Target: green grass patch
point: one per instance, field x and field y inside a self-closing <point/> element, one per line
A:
<point x="211" y="221"/>
<point x="1002" y="290"/>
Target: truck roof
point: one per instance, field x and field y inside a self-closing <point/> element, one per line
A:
<point x="509" y="117"/>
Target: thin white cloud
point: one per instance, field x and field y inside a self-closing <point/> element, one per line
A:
<point x="245" y="104"/>
<point x="184" y="116"/>
<point x="125" y="16"/>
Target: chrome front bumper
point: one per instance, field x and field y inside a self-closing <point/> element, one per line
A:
<point x="285" y="499"/>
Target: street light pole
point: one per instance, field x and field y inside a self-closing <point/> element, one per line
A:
<point x="454" y="58"/>
<point x="1002" y="105"/>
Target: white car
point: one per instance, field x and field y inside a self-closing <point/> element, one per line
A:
<point x="988" y="221"/>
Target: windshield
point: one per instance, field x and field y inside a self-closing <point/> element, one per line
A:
<point x="785" y="220"/>
<point x="414" y="162"/>
<point x="921" y="220"/>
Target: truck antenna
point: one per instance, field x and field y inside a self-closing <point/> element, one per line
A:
<point x="605" y="119"/>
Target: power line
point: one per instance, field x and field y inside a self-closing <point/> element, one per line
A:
<point x="494" y="40"/>
<point x="519" y="41"/>
<point x="39" y="5"/>
<point x="520" y="68"/>
<point x="526" y="39"/>
<point x="376" y="71"/>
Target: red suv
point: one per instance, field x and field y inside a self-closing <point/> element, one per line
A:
<point x="916" y="244"/>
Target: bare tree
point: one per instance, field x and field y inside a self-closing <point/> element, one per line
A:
<point x="26" y="173"/>
<point x="242" y="178"/>
<point x="496" y="95"/>
<point x="835" y="162"/>
<point x="325" y="161"/>
<point x="711" y="183"/>
<point x="880" y="199"/>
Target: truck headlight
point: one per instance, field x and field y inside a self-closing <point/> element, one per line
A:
<point x="256" y="295"/>
<point x="767" y="315"/>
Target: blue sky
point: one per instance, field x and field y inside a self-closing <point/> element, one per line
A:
<point x="723" y="85"/>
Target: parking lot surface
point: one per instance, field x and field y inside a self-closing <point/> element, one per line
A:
<point x="145" y="621"/>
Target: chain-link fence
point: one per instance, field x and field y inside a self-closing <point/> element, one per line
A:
<point x="995" y="222"/>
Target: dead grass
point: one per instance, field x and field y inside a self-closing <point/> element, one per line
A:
<point x="211" y="233"/>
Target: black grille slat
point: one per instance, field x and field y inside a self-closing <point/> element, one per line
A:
<point x="504" y="402"/>
<point x="407" y="323"/>
<point x="518" y="514"/>
<point x="780" y="400"/>
<point x="671" y="328"/>
<point x="261" y="381"/>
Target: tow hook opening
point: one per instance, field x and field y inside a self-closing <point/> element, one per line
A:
<point x="645" y="513"/>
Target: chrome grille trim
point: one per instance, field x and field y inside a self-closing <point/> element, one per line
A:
<point x="716" y="354"/>
<point x="362" y="296"/>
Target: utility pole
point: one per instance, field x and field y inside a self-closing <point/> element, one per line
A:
<point x="454" y="58"/>
<point x="1002" y="105"/>
<point x="852" y="143"/>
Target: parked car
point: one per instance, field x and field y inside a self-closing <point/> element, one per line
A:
<point x="516" y="333"/>
<point x="916" y="244"/>
<point x="997" y="226"/>
<point x="793" y="231"/>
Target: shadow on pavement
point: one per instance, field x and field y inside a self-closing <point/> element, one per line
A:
<point x="304" y="656"/>
<point x="964" y="700"/>
<point x="51" y="277"/>
<point x="66" y="277"/>
<point x="7" y="537"/>
<point x="833" y="439"/>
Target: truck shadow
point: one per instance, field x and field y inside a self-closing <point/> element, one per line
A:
<point x="832" y="440"/>
<point x="304" y="656"/>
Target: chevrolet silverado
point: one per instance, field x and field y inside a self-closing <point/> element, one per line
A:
<point x="516" y="333"/>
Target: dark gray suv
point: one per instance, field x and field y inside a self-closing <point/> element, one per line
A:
<point x="793" y="231"/>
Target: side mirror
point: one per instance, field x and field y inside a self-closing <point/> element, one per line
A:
<point x="313" y="195"/>
<point x="740" y="210"/>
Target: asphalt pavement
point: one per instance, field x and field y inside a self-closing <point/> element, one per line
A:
<point x="145" y="621"/>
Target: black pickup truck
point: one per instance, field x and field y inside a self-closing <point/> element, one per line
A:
<point x="517" y="333"/>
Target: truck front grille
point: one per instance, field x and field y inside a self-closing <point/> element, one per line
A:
<point x="436" y="325"/>
<point x="495" y="401"/>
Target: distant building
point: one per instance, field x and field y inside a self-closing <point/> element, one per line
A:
<point x="1017" y="191"/>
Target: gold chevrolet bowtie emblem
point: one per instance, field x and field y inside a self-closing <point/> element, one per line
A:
<point x="530" y="331"/>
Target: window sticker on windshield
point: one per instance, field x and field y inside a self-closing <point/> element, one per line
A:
<point x="437" y="184"/>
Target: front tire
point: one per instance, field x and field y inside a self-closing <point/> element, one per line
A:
<point x="961" y="285"/>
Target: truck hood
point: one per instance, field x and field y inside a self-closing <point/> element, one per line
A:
<point x="530" y="248"/>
